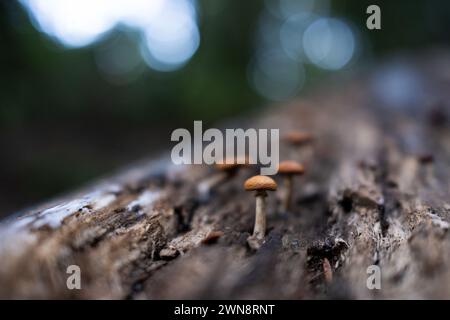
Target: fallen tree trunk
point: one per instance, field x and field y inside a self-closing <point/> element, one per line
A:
<point x="376" y="192"/>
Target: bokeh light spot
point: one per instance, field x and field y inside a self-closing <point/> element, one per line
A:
<point x="170" y="35"/>
<point x="275" y="76"/>
<point x="329" y="43"/>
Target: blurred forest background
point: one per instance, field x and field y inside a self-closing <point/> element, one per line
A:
<point x="88" y="86"/>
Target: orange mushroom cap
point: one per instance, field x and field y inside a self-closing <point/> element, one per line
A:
<point x="291" y="167"/>
<point x="298" y="137"/>
<point x="232" y="163"/>
<point x="257" y="183"/>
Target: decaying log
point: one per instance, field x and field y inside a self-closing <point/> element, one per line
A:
<point x="376" y="192"/>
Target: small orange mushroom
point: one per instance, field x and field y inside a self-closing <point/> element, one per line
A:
<point x="289" y="169"/>
<point x="226" y="169"/>
<point x="260" y="184"/>
<point x="298" y="137"/>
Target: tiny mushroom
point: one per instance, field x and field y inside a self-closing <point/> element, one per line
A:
<point x="230" y="165"/>
<point x="226" y="170"/>
<point x="288" y="169"/>
<point x="298" y="137"/>
<point x="327" y="271"/>
<point x="260" y="184"/>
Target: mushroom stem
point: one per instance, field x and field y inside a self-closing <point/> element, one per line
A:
<point x="287" y="199"/>
<point x="260" y="184"/>
<point x="327" y="271"/>
<point x="260" y="218"/>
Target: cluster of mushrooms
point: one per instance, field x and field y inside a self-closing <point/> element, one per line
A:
<point x="262" y="184"/>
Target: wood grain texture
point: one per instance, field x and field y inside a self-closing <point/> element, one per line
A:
<point x="376" y="191"/>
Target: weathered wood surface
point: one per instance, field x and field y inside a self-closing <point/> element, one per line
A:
<point x="376" y="191"/>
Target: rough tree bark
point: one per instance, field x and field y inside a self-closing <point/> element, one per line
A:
<point x="376" y="192"/>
